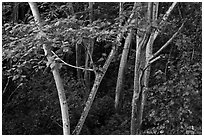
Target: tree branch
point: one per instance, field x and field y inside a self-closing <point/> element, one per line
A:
<point x="164" y="18"/>
<point x="167" y="43"/>
<point x="58" y="58"/>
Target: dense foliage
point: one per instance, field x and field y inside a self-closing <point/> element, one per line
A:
<point x="30" y="102"/>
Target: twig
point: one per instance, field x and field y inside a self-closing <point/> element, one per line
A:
<point x="148" y="64"/>
<point x="58" y="58"/>
<point x="168" y="60"/>
<point x="6" y="86"/>
<point x="56" y="122"/>
<point x="10" y="97"/>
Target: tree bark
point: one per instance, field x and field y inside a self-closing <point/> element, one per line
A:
<point x="143" y="60"/>
<point x="62" y="99"/>
<point x="147" y="52"/>
<point x="78" y="61"/>
<point x="122" y="68"/>
<point x="136" y="90"/>
<point x="70" y="7"/>
<point x="55" y="71"/>
<point x="35" y="12"/>
<point x="91" y="12"/>
<point x="89" y="49"/>
<point x="123" y="61"/>
<point x="99" y="76"/>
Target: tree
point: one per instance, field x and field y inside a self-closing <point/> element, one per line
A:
<point x="142" y="62"/>
<point x="89" y="51"/>
<point x="123" y="62"/>
<point x="55" y="66"/>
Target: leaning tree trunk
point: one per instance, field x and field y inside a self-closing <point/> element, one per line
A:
<point x="99" y="76"/>
<point x="55" y="66"/>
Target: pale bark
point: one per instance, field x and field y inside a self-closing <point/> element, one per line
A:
<point x="63" y="100"/>
<point x="123" y="61"/>
<point x="55" y="71"/>
<point x="99" y="76"/>
<point x="121" y="13"/>
<point x="144" y="59"/>
<point x="35" y="13"/>
<point x="164" y="18"/>
<point x="168" y="42"/>
<point x="140" y="102"/>
<point x="122" y="67"/>
<point x="89" y="49"/>
<point x="133" y="128"/>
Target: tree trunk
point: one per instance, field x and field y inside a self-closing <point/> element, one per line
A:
<point x="99" y="76"/>
<point x="122" y="68"/>
<point x="91" y="12"/>
<point x="89" y="49"/>
<point x="123" y="61"/>
<point x="143" y="61"/>
<point x="136" y="90"/>
<point x="78" y="61"/>
<point x="55" y="71"/>
<point x="15" y="13"/>
<point x="121" y="13"/>
<point x="142" y="90"/>
<point x="62" y="99"/>
<point x="35" y="12"/>
<point x="89" y="52"/>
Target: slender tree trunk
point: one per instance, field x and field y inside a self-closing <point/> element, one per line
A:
<point x="78" y="61"/>
<point x="90" y="50"/>
<point x="123" y="61"/>
<point x="35" y="12"/>
<point x="91" y="12"/>
<point x="136" y="89"/>
<point x="55" y="71"/>
<point x="63" y="100"/>
<point x="99" y="76"/>
<point x="88" y="64"/>
<point x="145" y="57"/>
<point x="121" y="13"/>
<point x="15" y="12"/>
<point x="143" y="60"/>
<point x="122" y="68"/>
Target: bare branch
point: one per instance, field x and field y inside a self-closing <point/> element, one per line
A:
<point x="167" y="43"/>
<point x="164" y="18"/>
<point x="70" y="64"/>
